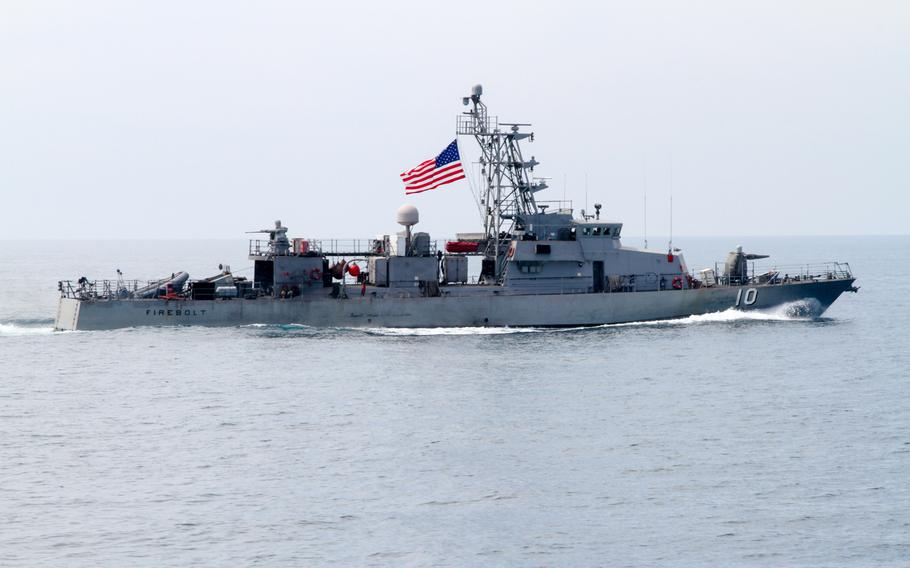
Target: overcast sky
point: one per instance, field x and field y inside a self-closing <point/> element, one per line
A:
<point x="206" y="119"/>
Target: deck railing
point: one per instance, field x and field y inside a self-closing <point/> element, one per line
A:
<point x="84" y="289"/>
<point x="93" y="290"/>
<point x="328" y="247"/>
<point x="769" y="273"/>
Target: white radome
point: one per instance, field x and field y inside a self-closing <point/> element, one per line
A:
<point x="408" y="215"/>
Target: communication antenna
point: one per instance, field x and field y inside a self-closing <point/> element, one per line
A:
<point x="407" y="216"/>
<point x="671" y="202"/>
<point x="586" y="191"/>
<point x="644" y="175"/>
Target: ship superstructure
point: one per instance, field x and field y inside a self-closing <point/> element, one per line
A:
<point x="540" y="266"/>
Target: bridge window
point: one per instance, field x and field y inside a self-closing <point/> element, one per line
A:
<point x="529" y="267"/>
<point x="596" y="231"/>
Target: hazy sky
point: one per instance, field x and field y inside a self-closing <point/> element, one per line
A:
<point x="206" y="119"/>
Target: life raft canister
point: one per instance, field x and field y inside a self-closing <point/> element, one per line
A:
<point x="677" y="283"/>
<point x="461" y="246"/>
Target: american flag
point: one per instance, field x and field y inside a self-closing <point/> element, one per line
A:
<point x="444" y="168"/>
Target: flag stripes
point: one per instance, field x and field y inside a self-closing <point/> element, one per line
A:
<point x="430" y="174"/>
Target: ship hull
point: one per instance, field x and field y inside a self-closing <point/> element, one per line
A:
<point x="484" y="308"/>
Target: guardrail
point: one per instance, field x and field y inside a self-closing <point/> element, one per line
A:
<point x="84" y="289"/>
<point x="467" y="124"/>
<point x="328" y="247"/>
<point x="94" y="290"/>
<point x="768" y="273"/>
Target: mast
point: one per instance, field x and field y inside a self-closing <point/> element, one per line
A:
<point x="508" y="192"/>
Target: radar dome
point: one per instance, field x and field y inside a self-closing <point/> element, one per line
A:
<point x="407" y="215"/>
<point x="477" y="90"/>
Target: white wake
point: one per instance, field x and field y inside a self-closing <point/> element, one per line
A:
<point x="406" y="331"/>
<point x="800" y="310"/>
<point x="18" y="329"/>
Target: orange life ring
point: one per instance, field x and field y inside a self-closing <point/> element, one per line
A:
<point x="677" y="283"/>
<point x="316" y="274"/>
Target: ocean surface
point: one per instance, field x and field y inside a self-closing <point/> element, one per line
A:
<point x="727" y="439"/>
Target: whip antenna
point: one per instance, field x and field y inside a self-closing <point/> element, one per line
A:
<point x="671" y="202"/>
<point x="644" y="175"/>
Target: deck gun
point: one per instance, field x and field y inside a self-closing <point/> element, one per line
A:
<point x="736" y="268"/>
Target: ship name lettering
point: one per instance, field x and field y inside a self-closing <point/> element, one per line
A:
<point x="182" y="313"/>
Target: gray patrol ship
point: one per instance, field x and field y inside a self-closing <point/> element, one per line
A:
<point x="540" y="265"/>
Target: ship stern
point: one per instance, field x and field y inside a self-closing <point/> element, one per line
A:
<point x="67" y="314"/>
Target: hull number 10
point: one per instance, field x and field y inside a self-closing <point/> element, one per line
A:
<point x="747" y="299"/>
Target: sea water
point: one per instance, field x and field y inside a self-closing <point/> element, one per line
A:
<point x="727" y="439"/>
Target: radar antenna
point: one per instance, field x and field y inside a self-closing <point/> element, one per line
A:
<point x="508" y="192"/>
